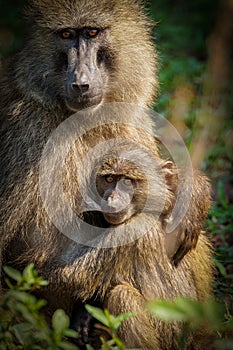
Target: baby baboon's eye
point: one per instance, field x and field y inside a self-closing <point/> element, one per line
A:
<point x="109" y="179"/>
<point x="90" y="33"/>
<point x="67" y="34"/>
<point x="127" y="182"/>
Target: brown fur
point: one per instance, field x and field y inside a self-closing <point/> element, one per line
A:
<point x="32" y="106"/>
<point x="143" y="271"/>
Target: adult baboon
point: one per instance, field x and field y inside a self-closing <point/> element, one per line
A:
<point x="78" y="54"/>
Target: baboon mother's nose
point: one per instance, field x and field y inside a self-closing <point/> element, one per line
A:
<point x="80" y="88"/>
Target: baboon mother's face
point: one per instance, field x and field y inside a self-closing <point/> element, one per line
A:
<point x="83" y="52"/>
<point x="84" y="60"/>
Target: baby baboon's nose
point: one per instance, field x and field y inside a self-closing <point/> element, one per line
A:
<point x="80" y="88"/>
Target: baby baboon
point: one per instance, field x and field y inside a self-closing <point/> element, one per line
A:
<point x="129" y="201"/>
<point x="117" y="184"/>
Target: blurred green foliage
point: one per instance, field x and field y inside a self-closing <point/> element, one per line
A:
<point x="220" y="224"/>
<point x="22" y="325"/>
<point x="193" y="315"/>
<point x="180" y="36"/>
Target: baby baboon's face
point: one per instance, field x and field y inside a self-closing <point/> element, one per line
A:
<point x="117" y="193"/>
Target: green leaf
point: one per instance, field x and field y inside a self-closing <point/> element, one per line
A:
<point x="221" y="268"/>
<point x="167" y="311"/>
<point x="98" y="314"/>
<point x="105" y="318"/>
<point x="192" y="309"/>
<point x="60" y="321"/>
<point x="67" y="346"/>
<point x="26" y="314"/>
<point x="29" y="274"/>
<point x="40" y="303"/>
<point x="22" y="297"/>
<point x="11" y="272"/>
<point x="71" y="333"/>
<point x="9" y="284"/>
<point x="125" y="316"/>
<point x="118" y="342"/>
<point x="105" y="345"/>
<point x="181" y="309"/>
<point x="43" y="283"/>
<point x="222" y="196"/>
<point x="214" y="313"/>
<point x="116" y="321"/>
<point x="21" y="332"/>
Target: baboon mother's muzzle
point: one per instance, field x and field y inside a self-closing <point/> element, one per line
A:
<point x="81" y="95"/>
<point x="84" y="81"/>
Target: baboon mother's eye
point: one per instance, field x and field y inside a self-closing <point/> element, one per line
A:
<point x="90" y="33"/>
<point x="67" y="34"/>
